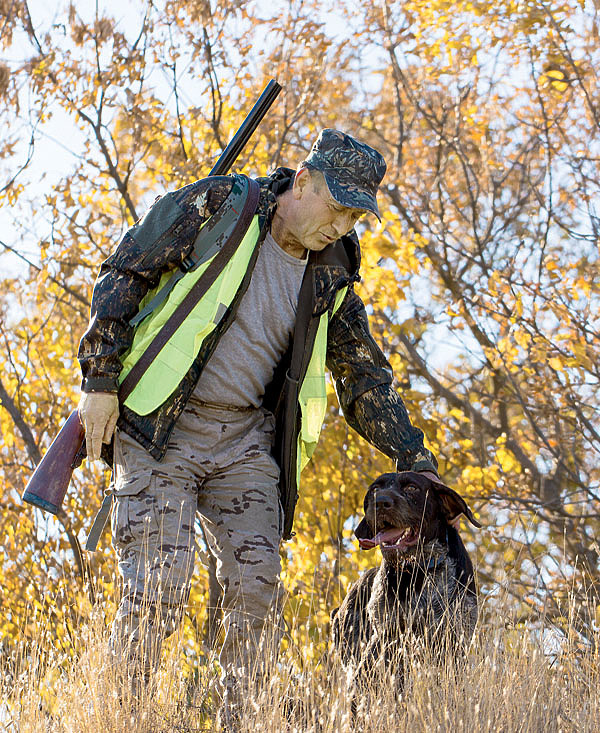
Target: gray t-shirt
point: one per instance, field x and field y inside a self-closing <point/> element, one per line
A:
<point x="243" y="363"/>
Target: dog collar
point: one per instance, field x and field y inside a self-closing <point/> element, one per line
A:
<point x="433" y="561"/>
<point x="432" y="564"/>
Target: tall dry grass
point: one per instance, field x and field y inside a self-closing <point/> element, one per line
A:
<point x="514" y="678"/>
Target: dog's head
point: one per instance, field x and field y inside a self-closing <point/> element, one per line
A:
<point x="404" y="511"/>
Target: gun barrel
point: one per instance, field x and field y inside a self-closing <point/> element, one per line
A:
<point x="241" y="137"/>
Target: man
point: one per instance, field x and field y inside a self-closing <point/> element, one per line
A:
<point x="226" y="428"/>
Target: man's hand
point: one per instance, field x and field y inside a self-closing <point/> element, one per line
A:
<point x="98" y="412"/>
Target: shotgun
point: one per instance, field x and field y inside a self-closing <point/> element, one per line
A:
<point x="47" y="487"/>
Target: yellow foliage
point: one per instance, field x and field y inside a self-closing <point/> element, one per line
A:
<point x="507" y="461"/>
<point x="461" y="258"/>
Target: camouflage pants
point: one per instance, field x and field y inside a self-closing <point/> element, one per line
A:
<point x="219" y="464"/>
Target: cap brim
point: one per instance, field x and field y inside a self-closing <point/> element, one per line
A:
<point x="351" y="195"/>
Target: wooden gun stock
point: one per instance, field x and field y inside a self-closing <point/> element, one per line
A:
<point x="48" y="485"/>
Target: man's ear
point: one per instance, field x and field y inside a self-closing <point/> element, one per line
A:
<point x="454" y="505"/>
<point x="301" y="181"/>
<point x="363" y="531"/>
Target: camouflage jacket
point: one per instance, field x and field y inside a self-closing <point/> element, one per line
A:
<point x="362" y="375"/>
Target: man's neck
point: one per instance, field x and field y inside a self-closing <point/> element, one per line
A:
<point x="280" y="230"/>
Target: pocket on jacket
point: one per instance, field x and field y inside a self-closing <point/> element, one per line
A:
<point x="133" y="515"/>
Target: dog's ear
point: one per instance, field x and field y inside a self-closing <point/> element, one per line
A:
<point x="454" y="505"/>
<point x="363" y="531"/>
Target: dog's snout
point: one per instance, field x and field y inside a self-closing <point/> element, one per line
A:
<point x="383" y="502"/>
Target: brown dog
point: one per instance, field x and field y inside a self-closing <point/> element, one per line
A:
<point x="424" y="588"/>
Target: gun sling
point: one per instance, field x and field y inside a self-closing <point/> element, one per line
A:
<point x="222" y="237"/>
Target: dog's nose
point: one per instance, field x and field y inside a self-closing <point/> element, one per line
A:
<point x="383" y="502"/>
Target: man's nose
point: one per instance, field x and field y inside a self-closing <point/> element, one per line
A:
<point x="342" y="224"/>
<point x="337" y="228"/>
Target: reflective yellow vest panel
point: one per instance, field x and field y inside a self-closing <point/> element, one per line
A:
<point x="312" y="397"/>
<point x="172" y="363"/>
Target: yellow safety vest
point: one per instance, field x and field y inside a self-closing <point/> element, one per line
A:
<point x="172" y="363"/>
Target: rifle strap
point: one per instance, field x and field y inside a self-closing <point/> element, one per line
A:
<point x="99" y="521"/>
<point x="252" y="194"/>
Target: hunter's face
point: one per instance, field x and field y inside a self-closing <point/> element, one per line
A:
<point x="321" y="220"/>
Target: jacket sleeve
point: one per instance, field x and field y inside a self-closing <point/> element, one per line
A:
<point x="363" y="379"/>
<point x="160" y="241"/>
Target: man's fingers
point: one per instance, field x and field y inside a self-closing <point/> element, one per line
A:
<point x="93" y="442"/>
<point x="99" y="412"/>
<point x="88" y="431"/>
<point x="110" y="427"/>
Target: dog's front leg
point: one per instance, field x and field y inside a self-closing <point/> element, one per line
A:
<point x="365" y="673"/>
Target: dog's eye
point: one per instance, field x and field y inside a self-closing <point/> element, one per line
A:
<point x="412" y="494"/>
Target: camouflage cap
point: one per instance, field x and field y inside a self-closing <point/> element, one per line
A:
<point x="352" y="170"/>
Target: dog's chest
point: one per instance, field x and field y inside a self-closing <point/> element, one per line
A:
<point x="410" y="595"/>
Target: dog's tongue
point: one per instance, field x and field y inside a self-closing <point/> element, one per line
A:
<point x="386" y="535"/>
